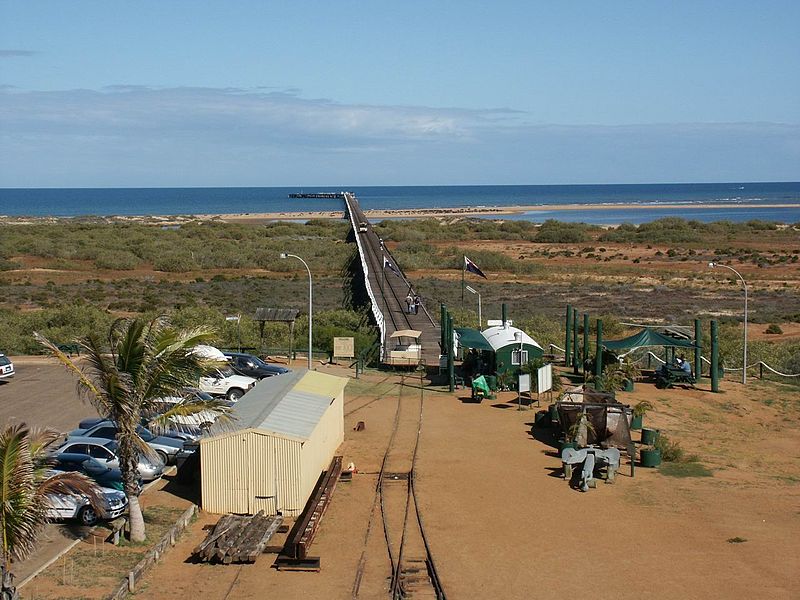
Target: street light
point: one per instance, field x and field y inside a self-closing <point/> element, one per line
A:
<point x="310" y="302"/>
<point x="744" y="284"/>
<point x="238" y="319"/>
<point x="474" y="291"/>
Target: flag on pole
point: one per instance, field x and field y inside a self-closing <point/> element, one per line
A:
<point x="473" y="268"/>
<point x="392" y="268"/>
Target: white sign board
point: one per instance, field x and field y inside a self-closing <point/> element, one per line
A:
<point x="544" y="379"/>
<point x="343" y="347"/>
<point x="524" y="383"/>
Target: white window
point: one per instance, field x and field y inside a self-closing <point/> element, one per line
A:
<point x="516" y="355"/>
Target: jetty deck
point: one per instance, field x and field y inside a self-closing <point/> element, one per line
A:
<point x="388" y="288"/>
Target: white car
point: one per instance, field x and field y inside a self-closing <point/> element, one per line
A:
<point x="6" y="367"/>
<point x="113" y="503"/>
<point x="222" y="380"/>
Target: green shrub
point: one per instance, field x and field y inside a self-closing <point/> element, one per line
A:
<point x="556" y="232"/>
<point x="9" y="265"/>
<point x="774" y="329"/>
<point x="174" y="263"/>
<point x="118" y="260"/>
<point x="670" y="451"/>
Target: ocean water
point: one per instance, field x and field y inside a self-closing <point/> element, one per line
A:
<point x="70" y="202"/>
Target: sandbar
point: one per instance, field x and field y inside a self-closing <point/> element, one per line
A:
<point x="467" y="211"/>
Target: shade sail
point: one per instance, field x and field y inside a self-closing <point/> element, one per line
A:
<point x="472" y="338"/>
<point x="646" y="337"/>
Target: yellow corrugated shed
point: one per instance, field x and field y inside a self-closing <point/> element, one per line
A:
<point x="259" y="468"/>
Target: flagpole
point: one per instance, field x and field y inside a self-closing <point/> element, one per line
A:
<point x="463" y="272"/>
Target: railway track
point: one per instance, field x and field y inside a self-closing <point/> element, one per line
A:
<point x="412" y="571"/>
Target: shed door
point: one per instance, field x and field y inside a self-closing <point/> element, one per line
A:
<point x="262" y="492"/>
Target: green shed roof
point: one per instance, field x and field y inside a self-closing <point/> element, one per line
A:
<point x="647" y="337"/>
<point x="472" y="338"/>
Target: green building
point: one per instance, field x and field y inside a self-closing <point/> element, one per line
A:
<point x="496" y="350"/>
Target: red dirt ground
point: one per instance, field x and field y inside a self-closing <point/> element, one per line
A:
<point x="503" y="524"/>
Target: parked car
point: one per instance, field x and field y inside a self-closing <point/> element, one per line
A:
<point x="252" y="366"/>
<point x="106" y="452"/>
<point x="6" y="367"/>
<point x="166" y="448"/>
<point x="190" y="428"/>
<point x="222" y="380"/>
<point x="104" y="475"/>
<point x="112" y="504"/>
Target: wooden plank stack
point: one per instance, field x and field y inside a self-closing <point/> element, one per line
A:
<point x="238" y="538"/>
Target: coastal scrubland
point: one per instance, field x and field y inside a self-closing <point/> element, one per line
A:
<point x="66" y="277"/>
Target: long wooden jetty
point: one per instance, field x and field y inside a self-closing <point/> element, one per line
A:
<point x="328" y="195"/>
<point x="387" y="287"/>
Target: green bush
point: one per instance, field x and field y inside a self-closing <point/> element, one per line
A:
<point x="556" y="232"/>
<point x="174" y="262"/>
<point x="118" y="260"/>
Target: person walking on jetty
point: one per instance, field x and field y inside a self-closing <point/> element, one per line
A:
<point x="409" y="302"/>
<point x="416" y="305"/>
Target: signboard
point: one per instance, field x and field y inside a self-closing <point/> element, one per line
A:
<point x="524" y="383"/>
<point x="544" y="378"/>
<point x="343" y="347"/>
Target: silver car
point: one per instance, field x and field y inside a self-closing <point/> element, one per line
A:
<point x="166" y="448"/>
<point x="112" y="504"/>
<point x="106" y="451"/>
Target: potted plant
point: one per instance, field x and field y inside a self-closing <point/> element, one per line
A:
<point x="639" y="411"/>
<point x="631" y="372"/>
<point x="649" y="456"/>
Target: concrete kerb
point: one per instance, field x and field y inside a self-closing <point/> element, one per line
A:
<point x="128" y="584"/>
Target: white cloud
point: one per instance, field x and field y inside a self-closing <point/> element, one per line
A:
<point x="140" y="136"/>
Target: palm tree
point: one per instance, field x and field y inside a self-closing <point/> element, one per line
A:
<point x="126" y="374"/>
<point x="25" y="482"/>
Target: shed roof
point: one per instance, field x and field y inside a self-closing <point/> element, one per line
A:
<point x="291" y="404"/>
<point x="500" y="337"/>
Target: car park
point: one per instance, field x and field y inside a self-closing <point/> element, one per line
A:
<point x="101" y="473"/>
<point x="165" y="447"/>
<point x="111" y="505"/>
<point x="6" y="368"/>
<point x="107" y="453"/>
<point x="252" y="366"/>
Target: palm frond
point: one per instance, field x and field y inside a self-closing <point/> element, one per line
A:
<point x="22" y="505"/>
<point x="71" y="483"/>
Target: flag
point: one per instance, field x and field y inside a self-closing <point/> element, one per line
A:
<point x="473" y="268"/>
<point x="392" y="268"/>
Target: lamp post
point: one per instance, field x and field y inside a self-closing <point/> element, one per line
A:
<point x="238" y="319"/>
<point x="480" y="317"/>
<point x="714" y="265"/>
<point x="310" y="302"/>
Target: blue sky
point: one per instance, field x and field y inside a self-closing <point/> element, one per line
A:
<point x="178" y="93"/>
